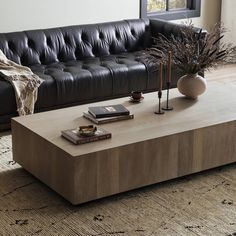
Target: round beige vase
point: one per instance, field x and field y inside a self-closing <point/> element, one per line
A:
<point x="191" y="85"/>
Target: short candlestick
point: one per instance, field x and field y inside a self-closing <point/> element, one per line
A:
<point x="159" y="111"/>
<point x="167" y="107"/>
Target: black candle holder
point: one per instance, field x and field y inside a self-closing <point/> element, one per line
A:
<point x="159" y="112"/>
<point x="167" y="107"/>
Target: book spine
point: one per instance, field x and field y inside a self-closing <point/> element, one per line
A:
<point x="94" y="138"/>
<point x="109" y="114"/>
<point x="92" y="119"/>
<point x="118" y="118"/>
<point x="69" y="138"/>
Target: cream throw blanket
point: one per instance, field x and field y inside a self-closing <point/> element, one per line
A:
<point x="24" y="81"/>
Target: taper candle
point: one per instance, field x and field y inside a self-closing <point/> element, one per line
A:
<point x="169" y="67"/>
<point x="160" y="77"/>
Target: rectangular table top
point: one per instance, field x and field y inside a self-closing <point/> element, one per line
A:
<point x="217" y="105"/>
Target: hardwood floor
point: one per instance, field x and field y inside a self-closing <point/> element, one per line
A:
<point x="223" y="74"/>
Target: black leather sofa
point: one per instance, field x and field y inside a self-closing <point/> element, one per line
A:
<point x="81" y="64"/>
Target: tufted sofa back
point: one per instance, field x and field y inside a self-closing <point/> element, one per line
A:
<point x="75" y="42"/>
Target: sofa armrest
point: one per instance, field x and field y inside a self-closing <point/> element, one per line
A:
<point x="168" y="28"/>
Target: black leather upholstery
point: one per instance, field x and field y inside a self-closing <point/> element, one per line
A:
<point x="75" y="42"/>
<point x="81" y="64"/>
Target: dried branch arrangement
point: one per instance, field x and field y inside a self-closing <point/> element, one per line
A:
<point x="193" y="51"/>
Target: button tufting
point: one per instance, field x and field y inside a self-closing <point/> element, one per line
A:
<point x="31" y="43"/>
<point x="49" y="42"/>
<point x="117" y="35"/>
<point x="101" y="35"/>
<point x="84" y="37"/>
<point x="11" y="46"/>
<point x="100" y="58"/>
<point x="95" y="51"/>
<point x="67" y="39"/>
<point x="133" y="32"/>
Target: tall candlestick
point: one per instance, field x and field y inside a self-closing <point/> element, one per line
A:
<point x="160" y="79"/>
<point x="168" y="82"/>
<point x="169" y="66"/>
<point x="159" y="111"/>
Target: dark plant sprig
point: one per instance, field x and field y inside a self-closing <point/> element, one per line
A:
<point x="151" y="57"/>
<point x="193" y="51"/>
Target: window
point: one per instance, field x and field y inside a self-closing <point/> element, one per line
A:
<point x="170" y="9"/>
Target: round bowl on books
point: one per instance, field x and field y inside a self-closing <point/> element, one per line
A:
<point x="87" y="131"/>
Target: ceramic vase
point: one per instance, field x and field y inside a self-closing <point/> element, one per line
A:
<point x="192" y="85"/>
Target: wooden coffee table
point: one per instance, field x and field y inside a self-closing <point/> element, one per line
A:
<point x="195" y="136"/>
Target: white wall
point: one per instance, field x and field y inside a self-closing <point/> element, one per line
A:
<point x="210" y="14"/>
<point x="228" y="17"/>
<point x="16" y="15"/>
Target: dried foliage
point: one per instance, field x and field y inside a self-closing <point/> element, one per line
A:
<point x="152" y="57"/>
<point x="193" y="51"/>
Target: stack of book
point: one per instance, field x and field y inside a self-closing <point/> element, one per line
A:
<point x="75" y="136"/>
<point x="106" y="114"/>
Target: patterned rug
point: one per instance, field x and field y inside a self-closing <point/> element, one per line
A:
<point x="200" y="204"/>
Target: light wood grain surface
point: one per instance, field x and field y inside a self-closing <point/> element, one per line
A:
<point x="217" y="105"/>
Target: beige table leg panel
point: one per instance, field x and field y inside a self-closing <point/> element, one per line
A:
<point x="45" y="161"/>
<point x="95" y="175"/>
<point x="132" y="166"/>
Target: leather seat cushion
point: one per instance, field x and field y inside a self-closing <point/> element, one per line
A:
<point x="82" y="80"/>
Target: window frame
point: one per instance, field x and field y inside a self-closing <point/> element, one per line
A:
<point x="194" y="10"/>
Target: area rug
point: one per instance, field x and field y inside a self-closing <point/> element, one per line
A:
<point x="200" y="204"/>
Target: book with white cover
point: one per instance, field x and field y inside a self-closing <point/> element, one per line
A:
<point x="107" y="119"/>
<point x="108" y="111"/>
